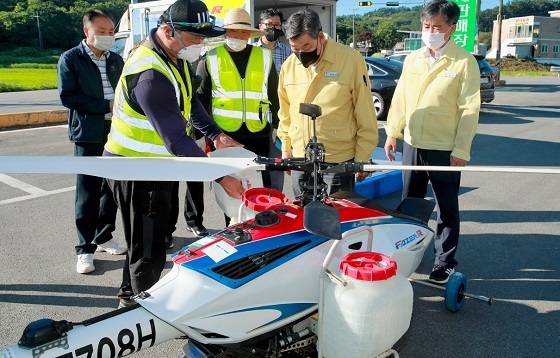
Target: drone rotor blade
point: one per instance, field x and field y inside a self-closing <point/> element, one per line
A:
<point x="121" y="168"/>
<point x="489" y="169"/>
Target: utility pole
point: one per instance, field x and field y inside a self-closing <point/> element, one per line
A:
<point x="39" y="29"/>
<point x="353" y="35"/>
<point x="476" y="39"/>
<point x="499" y="48"/>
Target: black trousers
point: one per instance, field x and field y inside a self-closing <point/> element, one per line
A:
<point x="193" y="206"/>
<point x="145" y="207"/>
<point x="95" y="208"/>
<point x="445" y="186"/>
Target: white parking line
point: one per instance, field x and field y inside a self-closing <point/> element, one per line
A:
<point x="18" y="184"/>
<point x="32" y="129"/>
<point x="33" y="196"/>
<point x="28" y="188"/>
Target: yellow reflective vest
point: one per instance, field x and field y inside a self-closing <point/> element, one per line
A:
<point x="234" y="99"/>
<point x="132" y="134"/>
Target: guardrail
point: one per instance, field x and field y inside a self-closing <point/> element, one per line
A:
<point x="555" y="69"/>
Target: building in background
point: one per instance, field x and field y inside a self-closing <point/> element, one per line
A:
<point x="535" y="37"/>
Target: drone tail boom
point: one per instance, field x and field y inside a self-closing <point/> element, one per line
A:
<point x="115" y="334"/>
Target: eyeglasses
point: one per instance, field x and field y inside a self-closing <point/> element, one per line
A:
<point x="270" y="25"/>
<point x="197" y="26"/>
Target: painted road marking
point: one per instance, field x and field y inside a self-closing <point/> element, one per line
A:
<point x="33" y="191"/>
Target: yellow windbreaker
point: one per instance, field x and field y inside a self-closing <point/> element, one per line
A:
<point x="341" y="87"/>
<point x="439" y="107"/>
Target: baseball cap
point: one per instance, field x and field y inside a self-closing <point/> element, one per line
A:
<point x="191" y="16"/>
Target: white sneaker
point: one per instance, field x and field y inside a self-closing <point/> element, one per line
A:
<point x="85" y="263"/>
<point x="112" y="247"/>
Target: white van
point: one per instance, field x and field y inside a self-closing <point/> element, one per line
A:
<point x="137" y="21"/>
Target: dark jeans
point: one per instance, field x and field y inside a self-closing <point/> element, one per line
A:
<point x="95" y="207"/>
<point x="445" y="186"/>
<point x="145" y="207"/>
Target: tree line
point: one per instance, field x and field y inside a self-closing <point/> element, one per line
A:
<point x="57" y="24"/>
<point x="49" y="24"/>
<point x="380" y="27"/>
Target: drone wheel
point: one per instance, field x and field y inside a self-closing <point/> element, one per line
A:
<point x="454" y="298"/>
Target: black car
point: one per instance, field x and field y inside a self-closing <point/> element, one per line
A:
<point x="383" y="74"/>
<point x="487" y="76"/>
<point x="487" y="87"/>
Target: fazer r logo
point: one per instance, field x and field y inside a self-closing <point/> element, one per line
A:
<point x="408" y="240"/>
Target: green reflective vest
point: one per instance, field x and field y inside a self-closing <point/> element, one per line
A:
<point x="234" y="99"/>
<point x="132" y="134"/>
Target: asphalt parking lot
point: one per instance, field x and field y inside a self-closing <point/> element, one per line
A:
<point x="509" y="247"/>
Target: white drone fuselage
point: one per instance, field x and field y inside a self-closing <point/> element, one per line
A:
<point x="222" y="292"/>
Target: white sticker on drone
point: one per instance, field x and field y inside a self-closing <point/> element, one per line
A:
<point x="202" y="242"/>
<point x="291" y="216"/>
<point x="219" y="251"/>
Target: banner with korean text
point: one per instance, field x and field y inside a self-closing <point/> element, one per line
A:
<point x="464" y="36"/>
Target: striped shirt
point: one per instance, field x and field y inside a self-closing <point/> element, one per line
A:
<point x="280" y="53"/>
<point x="101" y="62"/>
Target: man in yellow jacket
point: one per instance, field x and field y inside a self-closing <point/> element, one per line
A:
<point x="437" y="103"/>
<point x="334" y="77"/>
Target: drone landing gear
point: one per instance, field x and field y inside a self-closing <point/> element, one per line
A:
<point x="454" y="291"/>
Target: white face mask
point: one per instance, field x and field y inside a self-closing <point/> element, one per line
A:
<point x="190" y="53"/>
<point x="103" y="43"/>
<point x="434" y="40"/>
<point x="235" y="44"/>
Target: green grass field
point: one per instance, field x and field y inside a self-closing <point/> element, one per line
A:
<point x="528" y="73"/>
<point x="27" y="79"/>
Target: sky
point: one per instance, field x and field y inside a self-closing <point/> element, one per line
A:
<point x="344" y="7"/>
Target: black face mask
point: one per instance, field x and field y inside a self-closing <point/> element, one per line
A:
<point x="273" y="34"/>
<point x="308" y="58"/>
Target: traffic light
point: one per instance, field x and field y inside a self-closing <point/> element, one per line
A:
<point x="364" y="3"/>
<point x="392" y="3"/>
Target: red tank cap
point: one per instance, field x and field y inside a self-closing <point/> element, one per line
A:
<point x="261" y="199"/>
<point x="368" y="266"/>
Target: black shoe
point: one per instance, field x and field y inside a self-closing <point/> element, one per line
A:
<point x="126" y="302"/>
<point x="440" y="274"/>
<point x="169" y="242"/>
<point x="198" y="230"/>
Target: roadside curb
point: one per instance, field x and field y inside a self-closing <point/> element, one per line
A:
<point x="32" y="118"/>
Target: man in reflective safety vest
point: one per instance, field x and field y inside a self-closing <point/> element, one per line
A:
<point x="239" y="86"/>
<point x="154" y="109"/>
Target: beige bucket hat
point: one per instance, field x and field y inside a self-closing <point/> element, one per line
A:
<point x="239" y="19"/>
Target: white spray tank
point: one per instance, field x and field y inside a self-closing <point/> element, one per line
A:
<point x="250" y="178"/>
<point x="366" y="314"/>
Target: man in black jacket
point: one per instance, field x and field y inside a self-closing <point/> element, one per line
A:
<point x="87" y="76"/>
